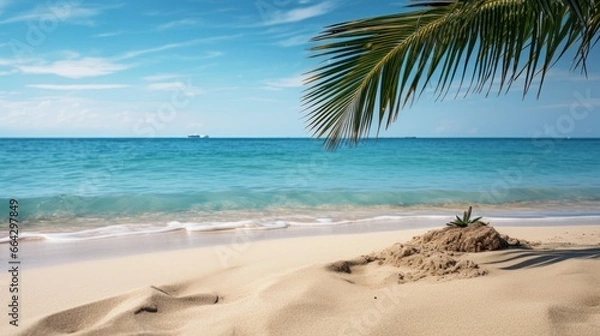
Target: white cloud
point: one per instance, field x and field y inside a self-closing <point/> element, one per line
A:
<point x="75" y="68"/>
<point x="563" y="75"/>
<point x="166" y="86"/>
<point x="69" y="54"/>
<point x="6" y="73"/>
<point x="47" y="112"/>
<point x="140" y="52"/>
<point x="161" y="77"/>
<point x="59" y="12"/>
<point x="78" y="87"/>
<point x="207" y="55"/>
<point x="108" y="34"/>
<point x="274" y="16"/>
<point x="5" y="61"/>
<point x="136" y="53"/>
<point x="578" y="102"/>
<point x="73" y="115"/>
<point x="212" y="54"/>
<point x="177" y="24"/>
<point x="185" y="88"/>
<point x="151" y="13"/>
<point x="65" y="114"/>
<point x="163" y="12"/>
<point x="440" y="129"/>
<point x="262" y="100"/>
<point x="4" y="3"/>
<point x="448" y="127"/>
<point x="294" y="41"/>
<point x="284" y="83"/>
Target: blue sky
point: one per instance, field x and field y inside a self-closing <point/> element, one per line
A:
<point x="224" y="68"/>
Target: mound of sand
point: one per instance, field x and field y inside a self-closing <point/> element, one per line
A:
<point x="476" y="237"/>
<point x="437" y="253"/>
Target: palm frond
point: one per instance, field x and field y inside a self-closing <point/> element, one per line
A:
<point x="376" y="67"/>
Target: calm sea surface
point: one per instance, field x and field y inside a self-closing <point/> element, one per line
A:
<point x="86" y="188"/>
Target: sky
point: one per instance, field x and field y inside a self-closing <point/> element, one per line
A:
<point x="226" y="68"/>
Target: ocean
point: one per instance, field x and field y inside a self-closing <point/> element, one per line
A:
<point x="77" y="189"/>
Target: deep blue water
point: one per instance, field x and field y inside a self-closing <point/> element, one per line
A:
<point x="72" y="184"/>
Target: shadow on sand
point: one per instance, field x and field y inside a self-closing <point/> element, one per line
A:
<point x="539" y="258"/>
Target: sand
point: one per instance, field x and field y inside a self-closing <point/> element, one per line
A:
<point x="324" y="285"/>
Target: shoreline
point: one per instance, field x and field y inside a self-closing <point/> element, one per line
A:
<point x="280" y="285"/>
<point x="39" y="253"/>
<point x="85" y="226"/>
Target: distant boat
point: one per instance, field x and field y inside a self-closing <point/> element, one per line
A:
<point x="198" y="136"/>
<point x="410" y="137"/>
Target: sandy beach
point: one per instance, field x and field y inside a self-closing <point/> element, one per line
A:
<point x="288" y="287"/>
<point x="300" y="168"/>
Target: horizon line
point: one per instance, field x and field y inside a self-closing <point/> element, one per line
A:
<point x="286" y="137"/>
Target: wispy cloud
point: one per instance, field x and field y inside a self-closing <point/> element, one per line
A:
<point x="262" y="100"/>
<point x="177" y="24"/>
<point x="4" y="4"/>
<point x="78" y="87"/>
<point x="575" y="103"/>
<point x="207" y="55"/>
<point x="75" y="68"/>
<point x="5" y="61"/>
<point x="64" y="113"/>
<point x="447" y="126"/>
<point x="62" y="11"/>
<point x="9" y="72"/>
<point x="163" y="13"/>
<point x="9" y="93"/>
<point x="284" y="83"/>
<point x="275" y="16"/>
<point x="140" y="52"/>
<point x="161" y="77"/>
<point x="563" y="75"/>
<point x="186" y="88"/>
<point x="108" y="34"/>
<point x="294" y="40"/>
<point x="166" y="86"/>
<point x="45" y="112"/>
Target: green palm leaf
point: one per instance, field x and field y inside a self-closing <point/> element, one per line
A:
<point x="376" y="67"/>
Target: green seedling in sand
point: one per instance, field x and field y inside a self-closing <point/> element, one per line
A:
<point x="465" y="221"/>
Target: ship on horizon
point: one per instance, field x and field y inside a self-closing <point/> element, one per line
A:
<point x="198" y="136"/>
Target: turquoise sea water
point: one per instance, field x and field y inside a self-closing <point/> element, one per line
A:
<point x="82" y="188"/>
